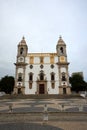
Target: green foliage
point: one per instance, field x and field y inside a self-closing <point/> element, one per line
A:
<point x="77" y="83"/>
<point x="7" y="84"/>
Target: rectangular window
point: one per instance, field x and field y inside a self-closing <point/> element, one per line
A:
<point x="52" y="77"/>
<point x="41" y="76"/>
<point x="30" y="77"/>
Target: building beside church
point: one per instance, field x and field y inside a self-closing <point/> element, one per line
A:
<point x="42" y="73"/>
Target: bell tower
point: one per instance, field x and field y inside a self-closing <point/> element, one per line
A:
<point x="20" y="64"/>
<point x="64" y="87"/>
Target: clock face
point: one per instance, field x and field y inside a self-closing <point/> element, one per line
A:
<point x="62" y="59"/>
<point x="21" y="59"/>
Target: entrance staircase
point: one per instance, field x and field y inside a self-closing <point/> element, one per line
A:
<point x="40" y="96"/>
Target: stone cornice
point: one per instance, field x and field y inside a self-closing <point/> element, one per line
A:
<point x="20" y="64"/>
<point x="63" y="63"/>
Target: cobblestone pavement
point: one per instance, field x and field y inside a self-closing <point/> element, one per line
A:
<point x="27" y="126"/>
<point x="40" y="126"/>
<point x="32" y="105"/>
<point x="37" y="105"/>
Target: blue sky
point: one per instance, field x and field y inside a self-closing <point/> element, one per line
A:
<point x="42" y="22"/>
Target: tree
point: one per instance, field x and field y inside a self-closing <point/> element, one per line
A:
<point x="7" y="84"/>
<point x="77" y="83"/>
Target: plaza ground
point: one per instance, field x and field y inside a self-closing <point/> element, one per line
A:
<point x="28" y="114"/>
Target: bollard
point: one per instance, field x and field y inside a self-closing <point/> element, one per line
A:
<point x="10" y="108"/>
<point x="80" y="108"/>
<point x="45" y="115"/>
<point x="45" y="118"/>
<point x="45" y="108"/>
<point x="62" y="107"/>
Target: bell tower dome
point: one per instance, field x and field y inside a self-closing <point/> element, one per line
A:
<point x="22" y="48"/>
<point x="61" y="48"/>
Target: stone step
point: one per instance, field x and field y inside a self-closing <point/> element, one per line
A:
<point x="40" y="96"/>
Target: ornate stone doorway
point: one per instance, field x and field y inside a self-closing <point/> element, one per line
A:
<point x="19" y="90"/>
<point x="41" y="89"/>
<point x="64" y="90"/>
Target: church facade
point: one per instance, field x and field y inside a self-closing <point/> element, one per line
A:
<point x="41" y="73"/>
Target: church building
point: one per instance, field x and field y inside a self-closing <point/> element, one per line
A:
<point x="41" y="73"/>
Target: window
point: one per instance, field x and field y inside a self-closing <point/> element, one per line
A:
<point x="31" y="66"/>
<point x="52" y="76"/>
<point x="61" y="50"/>
<point x="52" y="66"/>
<point x="63" y="77"/>
<point x="20" y="77"/>
<point x="30" y="77"/>
<point x="41" y="76"/>
<point x="41" y="66"/>
<point x="21" y="50"/>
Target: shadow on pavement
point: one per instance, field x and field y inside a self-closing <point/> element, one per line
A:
<point x="27" y="126"/>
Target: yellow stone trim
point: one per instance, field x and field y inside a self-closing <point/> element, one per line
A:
<point x="41" y="54"/>
<point x="62" y="59"/>
<point x="31" y="59"/>
<point x="51" y="59"/>
<point x="41" y="60"/>
<point x="43" y="63"/>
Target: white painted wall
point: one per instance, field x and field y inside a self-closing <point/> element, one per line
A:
<point x="36" y="70"/>
<point x="56" y="59"/>
<point x="47" y="71"/>
<point x="36" y="60"/>
<point x="63" y="69"/>
<point x="20" y="70"/>
<point x="46" y="59"/>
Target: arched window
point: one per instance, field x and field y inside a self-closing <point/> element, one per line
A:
<point x="30" y="76"/>
<point x="20" y="77"/>
<point x="21" y="50"/>
<point x="61" y="50"/>
<point x="41" y="76"/>
<point x="52" y="76"/>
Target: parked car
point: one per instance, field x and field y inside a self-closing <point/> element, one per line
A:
<point x="83" y="94"/>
